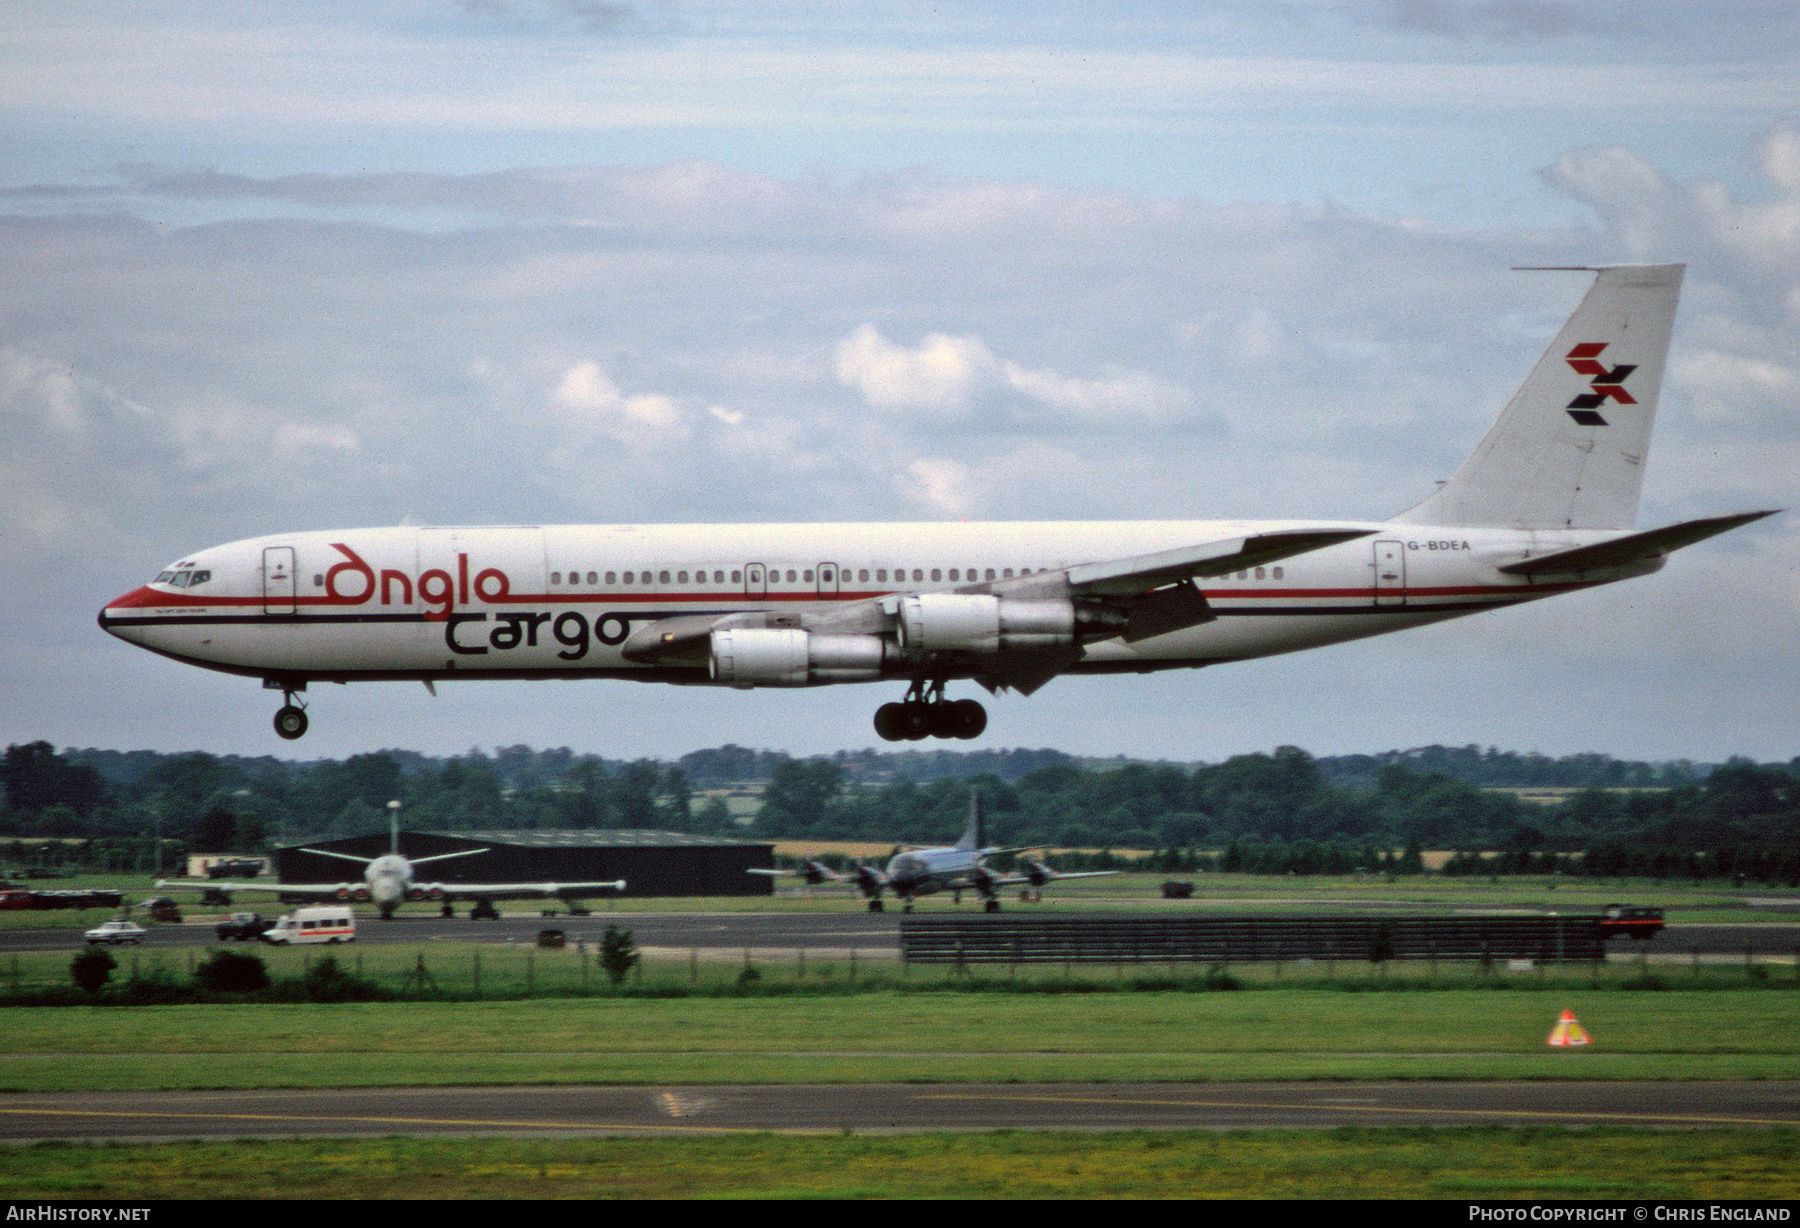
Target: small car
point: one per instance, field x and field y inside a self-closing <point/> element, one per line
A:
<point x="115" y="932"/>
<point x="1631" y="919"/>
<point x="241" y="927"/>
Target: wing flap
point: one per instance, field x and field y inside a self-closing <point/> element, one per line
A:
<point x="1161" y="611"/>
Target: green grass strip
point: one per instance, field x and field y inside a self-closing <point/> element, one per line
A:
<point x="1444" y="1163"/>
<point x="886" y="1037"/>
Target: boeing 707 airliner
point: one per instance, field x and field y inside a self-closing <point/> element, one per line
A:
<point x="1547" y="504"/>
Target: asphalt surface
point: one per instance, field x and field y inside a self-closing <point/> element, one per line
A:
<point x="873" y="934"/>
<point x="865" y="931"/>
<point x="878" y="1108"/>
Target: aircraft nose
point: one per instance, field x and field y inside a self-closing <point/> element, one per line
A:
<point x="119" y="608"/>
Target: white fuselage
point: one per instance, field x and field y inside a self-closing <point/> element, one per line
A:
<point x="437" y="603"/>
<point x="389" y="880"/>
<point x="923" y="871"/>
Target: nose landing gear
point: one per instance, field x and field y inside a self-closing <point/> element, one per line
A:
<point x="290" y="722"/>
<point x="925" y="713"/>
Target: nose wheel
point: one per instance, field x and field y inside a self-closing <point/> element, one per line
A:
<point x="290" y="722"/>
<point x="925" y="713"/>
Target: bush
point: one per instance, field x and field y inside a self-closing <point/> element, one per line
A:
<point x="92" y="969"/>
<point x="157" y="987"/>
<point x="1218" y="978"/>
<point x="618" y="953"/>
<point x="325" y="981"/>
<point x="232" y="972"/>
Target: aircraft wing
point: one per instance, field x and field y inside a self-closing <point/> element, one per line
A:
<point x="517" y="891"/>
<point x="816" y="874"/>
<point x="1158" y="596"/>
<point x="812" y="874"/>
<point x="454" y="891"/>
<point x="314" y="891"/>
<point x="987" y="881"/>
<point x="1143" y="596"/>
<point x="1056" y="876"/>
<point x="1144" y="573"/>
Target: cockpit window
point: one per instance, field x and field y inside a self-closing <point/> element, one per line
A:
<point x="164" y="577"/>
<point x="184" y="579"/>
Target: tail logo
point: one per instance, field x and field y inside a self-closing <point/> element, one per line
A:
<point x="1603" y="384"/>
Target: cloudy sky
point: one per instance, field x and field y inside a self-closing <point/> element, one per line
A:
<point x="328" y="264"/>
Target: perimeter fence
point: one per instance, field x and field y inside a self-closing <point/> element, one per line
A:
<point x="1002" y="939"/>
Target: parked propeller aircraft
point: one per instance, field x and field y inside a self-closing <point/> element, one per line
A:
<point x="1547" y="504"/>
<point x="392" y="880"/>
<point x="916" y="872"/>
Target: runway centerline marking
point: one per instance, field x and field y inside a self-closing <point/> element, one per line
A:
<point x="485" y="1123"/>
<point x="1695" y="1119"/>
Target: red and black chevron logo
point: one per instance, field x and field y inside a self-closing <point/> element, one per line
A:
<point x="1604" y="384"/>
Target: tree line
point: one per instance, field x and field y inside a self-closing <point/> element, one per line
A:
<point x="1285" y="811"/>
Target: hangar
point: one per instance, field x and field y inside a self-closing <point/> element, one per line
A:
<point x="652" y="863"/>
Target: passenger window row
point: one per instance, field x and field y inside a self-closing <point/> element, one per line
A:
<point x="864" y="575"/>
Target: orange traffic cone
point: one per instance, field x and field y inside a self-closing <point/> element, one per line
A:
<point x="1568" y="1031"/>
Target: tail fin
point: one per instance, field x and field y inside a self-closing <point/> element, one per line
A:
<point x="1568" y="451"/>
<point x="973" y="835"/>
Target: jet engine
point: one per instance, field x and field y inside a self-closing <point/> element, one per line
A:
<point x="766" y="656"/>
<point x="984" y="623"/>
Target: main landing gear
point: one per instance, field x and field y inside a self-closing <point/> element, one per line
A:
<point x="925" y="713"/>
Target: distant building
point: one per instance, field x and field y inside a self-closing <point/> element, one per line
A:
<point x="225" y="865"/>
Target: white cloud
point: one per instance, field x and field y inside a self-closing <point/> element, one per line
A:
<point x="1739" y="390"/>
<point x="1658" y="217"/>
<point x="592" y="402"/>
<point x="1132" y="397"/>
<point x="943" y="375"/>
<point x="942" y="486"/>
<point x="947" y="376"/>
<point x="299" y="437"/>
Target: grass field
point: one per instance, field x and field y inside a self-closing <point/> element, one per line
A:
<point x="896" y="1035"/>
<point x="1292" y="1022"/>
<point x="1453" y="1164"/>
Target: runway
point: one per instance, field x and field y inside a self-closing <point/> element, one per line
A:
<point x="834" y="933"/>
<point x="895" y="1108"/>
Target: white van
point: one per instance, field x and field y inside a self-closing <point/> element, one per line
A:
<point x="325" y="923"/>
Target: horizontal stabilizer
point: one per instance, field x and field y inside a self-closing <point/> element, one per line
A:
<point x="1623" y="551"/>
<point x="1141" y="573"/>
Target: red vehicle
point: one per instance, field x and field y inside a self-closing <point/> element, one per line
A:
<point x="15" y="899"/>
<point x="1631" y="919"/>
